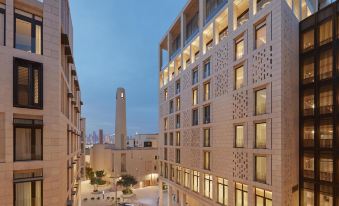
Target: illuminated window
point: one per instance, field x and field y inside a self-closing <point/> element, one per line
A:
<point x="308" y="194"/>
<point x="325" y="65"/>
<point x="308" y="104"/>
<point x="308" y="134"/>
<point x="263" y="197"/>
<point x="28" y="32"/>
<point x="308" y="40"/>
<point x="195" y="96"/>
<point x="326" y="100"/>
<point x="208" y="186"/>
<point x="260" y="169"/>
<point x="239" y="48"/>
<point x="326" y="133"/>
<point x="187" y="178"/>
<point x="308" y="70"/>
<point x="196" y="181"/>
<point x="222" y="191"/>
<point x="326" y="169"/>
<point x="207" y="91"/>
<point x="207" y="137"/>
<point x="325" y="32"/>
<point x="241" y="194"/>
<point x="178" y="103"/>
<point x="165" y="124"/>
<point x="260" y="35"/>
<point x="260" y="135"/>
<point x="239" y="77"/>
<point x="178" y="139"/>
<point x="239" y="136"/>
<point x="207" y="160"/>
<point x="260" y="102"/>
<point x="308" y="166"/>
<point x="165" y="94"/>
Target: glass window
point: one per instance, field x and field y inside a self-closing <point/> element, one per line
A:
<point x="28" y="187"/>
<point x="27" y="84"/>
<point x="195" y="117"/>
<point x="308" y="103"/>
<point x="326" y="196"/>
<point x="260" y="102"/>
<point x="187" y="178"/>
<point x="179" y="174"/>
<point x="177" y="87"/>
<point x="308" y="40"/>
<point x="239" y="48"/>
<point x="165" y="94"/>
<point x="308" y="134"/>
<point x="260" y="169"/>
<point x="208" y="186"/>
<point x="165" y="124"/>
<point x="171" y="107"/>
<point x="308" y="196"/>
<point x="222" y="191"/>
<point x="195" y="76"/>
<point x="2" y="24"/>
<point x="171" y="139"/>
<point x="207" y="162"/>
<point x="241" y="194"/>
<point x="207" y="91"/>
<point x="195" y="96"/>
<point x="28" y="32"/>
<point x="325" y="65"/>
<point x="260" y="35"/>
<point x="308" y="70"/>
<point x="27" y="140"/>
<point x="207" y="114"/>
<point x="165" y="153"/>
<point x="207" y="69"/>
<point x="239" y="136"/>
<point x="325" y="32"/>
<point x="212" y="7"/>
<point x="165" y="139"/>
<point x="263" y="197"/>
<point x="196" y="181"/>
<point x="177" y="155"/>
<point x="239" y="77"/>
<point x="326" y="134"/>
<point x="177" y="121"/>
<point x="326" y="169"/>
<point x="308" y="166"/>
<point x="326" y="100"/>
<point x="178" y="103"/>
<point x="178" y="139"/>
<point x="207" y="137"/>
<point x="260" y="135"/>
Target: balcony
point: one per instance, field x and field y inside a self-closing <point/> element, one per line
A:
<point x="213" y="7"/>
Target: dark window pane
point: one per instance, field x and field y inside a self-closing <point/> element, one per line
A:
<point x="23" y="86"/>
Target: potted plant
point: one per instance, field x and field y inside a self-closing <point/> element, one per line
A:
<point x="127" y="181"/>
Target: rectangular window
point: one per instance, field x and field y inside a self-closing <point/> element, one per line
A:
<point x="326" y="169"/>
<point x="28" y="32"/>
<point x="207" y="91"/>
<point x="326" y="133"/>
<point x="177" y="139"/>
<point x="207" y="114"/>
<point x="195" y="96"/>
<point x="325" y="65"/>
<point x="260" y="35"/>
<point x="326" y="100"/>
<point x="308" y="164"/>
<point x="171" y="139"/>
<point x="308" y="40"/>
<point x="222" y="191"/>
<point x="28" y="187"/>
<point x="195" y="77"/>
<point x="260" y="135"/>
<point x="239" y="136"/>
<point x="165" y="94"/>
<point x="171" y="107"/>
<point x="177" y="103"/>
<point x="207" y="137"/>
<point x="241" y="194"/>
<point x="239" y="48"/>
<point x="260" y="102"/>
<point x="187" y="178"/>
<point x="177" y="155"/>
<point x="207" y="160"/>
<point x="308" y="70"/>
<point x="177" y="121"/>
<point x="177" y="87"/>
<point x="2" y="24"/>
<point x="207" y="69"/>
<point x="28" y="87"/>
<point x="195" y="117"/>
<point x="308" y="194"/>
<point x="165" y="153"/>
<point x="239" y="77"/>
<point x="196" y="181"/>
<point x="179" y="175"/>
<point x="260" y="169"/>
<point x="263" y="197"/>
<point x="165" y="139"/>
<point x="308" y="104"/>
<point x="208" y="186"/>
<point x="165" y="124"/>
<point x="27" y="139"/>
<point x="325" y="32"/>
<point x="308" y="134"/>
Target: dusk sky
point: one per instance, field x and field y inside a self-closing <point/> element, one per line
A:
<point x="116" y="45"/>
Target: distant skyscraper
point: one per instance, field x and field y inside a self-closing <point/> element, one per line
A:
<point x="120" y="119"/>
<point x="101" y="136"/>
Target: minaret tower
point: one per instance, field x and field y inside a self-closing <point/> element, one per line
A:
<point x="120" y="119"/>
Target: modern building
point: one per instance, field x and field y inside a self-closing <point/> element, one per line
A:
<point x="229" y="103"/>
<point x="40" y="105"/>
<point x="143" y="140"/>
<point x="118" y="159"/>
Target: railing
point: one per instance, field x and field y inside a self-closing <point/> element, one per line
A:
<point x="326" y="109"/>
<point x="326" y="143"/>
<point x="325" y="75"/>
<point x="308" y="80"/>
<point x="192" y="35"/>
<point x="174" y="53"/>
<point x="214" y="11"/>
<point x="326" y="176"/>
<point x="309" y="112"/>
<point x="308" y="142"/>
<point x="309" y="173"/>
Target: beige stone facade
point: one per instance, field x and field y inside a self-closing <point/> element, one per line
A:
<point x="59" y="112"/>
<point x="219" y="172"/>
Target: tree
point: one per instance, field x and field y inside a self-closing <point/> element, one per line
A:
<point x="89" y="173"/>
<point x="127" y="181"/>
<point x="96" y="178"/>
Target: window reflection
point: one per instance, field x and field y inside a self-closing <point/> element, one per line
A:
<point x="308" y="40"/>
<point x="308" y="103"/>
<point x="326" y="100"/>
<point x="326" y="134"/>
<point x="325" y="65"/>
<point x="325" y="32"/>
<point x="308" y="70"/>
